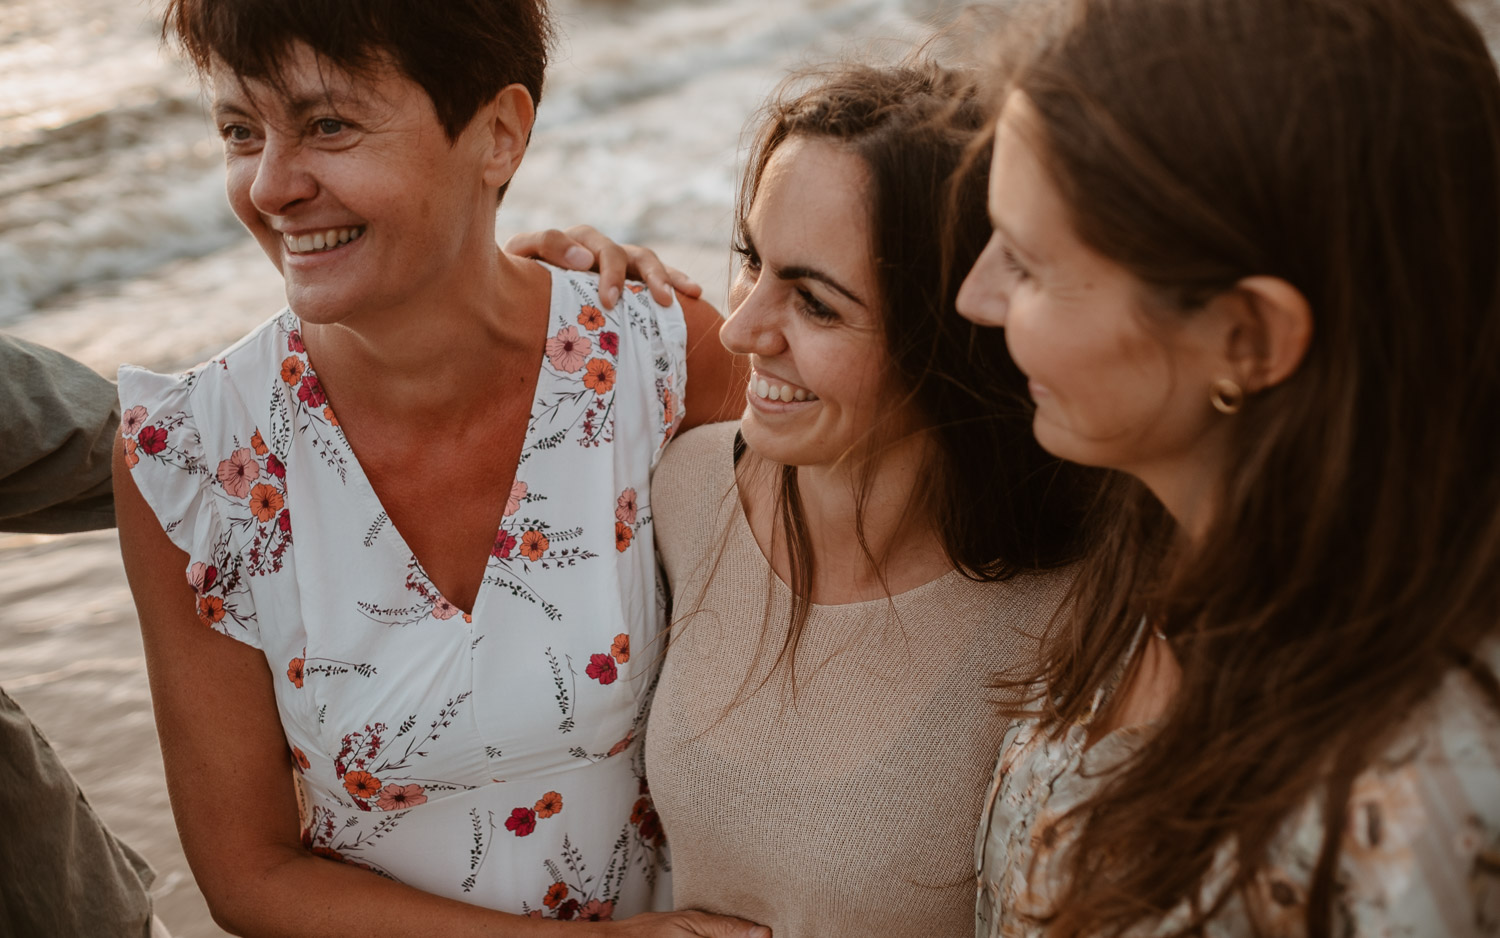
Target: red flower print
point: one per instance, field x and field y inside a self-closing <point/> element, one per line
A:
<point x="152" y="440"/>
<point x="300" y="758"/>
<point x="601" y="376"/>
<point x="567" y="910"/>
<point x="534" y="544"/>
<point x="620" y="650"/>
<point x="590" y="318"/>
<point x="550" y="804"/>
<point x="625" y="509"/>
<point x="292" y="369"/>
<point x="556" y="893"/>
<point x="210" y="609"/>
<point x="362" y="785"/>
<point x="202" y="576"/>
<point x="258" y="444"/>
<point x="238" y="471"/>
<point x="644" y="816"/>
<point x="294" y="671"/>
<point x="513" y="503"/>
<point x="504" y="544"/>
<point x="609" y="342"/>
<point x="602" y="669"/>
<point x="400" y="797"/>
<point x="522" y="821"/>
<point x="265" y="502"/>
<point x="128" y="446"/>
<point x="311" y="392"/>
<point x="568" y="349"/>
<point x="132" y="420"/>
<point x="327" y="853"/>
<point x="623" y="534"/>
<point x="596" y="911"/>
<point x="274" y="466"/>
<point x="294" y="343"/>
<point x="285" y="521"/>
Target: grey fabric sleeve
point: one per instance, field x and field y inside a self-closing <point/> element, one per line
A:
<point x="57" y="425"/>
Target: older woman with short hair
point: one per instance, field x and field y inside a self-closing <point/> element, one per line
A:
<point x="396" y="542"/>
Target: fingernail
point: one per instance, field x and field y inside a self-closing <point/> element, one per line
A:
<point x="611" y="295"/>
<point x="760" y="931"/>
<point x="579" y="257"/>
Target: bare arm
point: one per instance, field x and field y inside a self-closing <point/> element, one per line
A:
<point x="716" y="378"/>
<point x="229" y="777"/>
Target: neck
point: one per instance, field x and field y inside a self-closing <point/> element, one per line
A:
<point x="1188" y="486"/>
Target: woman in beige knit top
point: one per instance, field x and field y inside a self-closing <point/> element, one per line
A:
<point x="853" y="561"/>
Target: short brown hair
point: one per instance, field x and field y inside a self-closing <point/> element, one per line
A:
<point x="462" y="52"/>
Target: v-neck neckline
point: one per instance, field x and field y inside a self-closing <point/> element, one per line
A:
<point x="366" y="489"/>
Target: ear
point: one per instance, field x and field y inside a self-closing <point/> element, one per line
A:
<point x="1270" y="326"/>
<point x="508" y="118"/>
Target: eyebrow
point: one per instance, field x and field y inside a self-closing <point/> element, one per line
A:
<point x="299" y="107"/>
<point x="803" y="272"/>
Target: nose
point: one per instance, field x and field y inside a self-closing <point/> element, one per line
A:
<point x="984" y="296"/>
<point x="281" y="180"/>
<point x="754" y="326"/>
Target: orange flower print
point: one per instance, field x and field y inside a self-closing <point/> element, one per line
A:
<point x="513" y="503"/>
<point x="668" y="407"/>
<point x="292" y="369"/>
<point x="623" y="534"/>
<point x="534" y="544"/>
<point x="625" y="508"/>
<point x="294" y="671"/>
<point x="550" y="804"/>
<point x="623" y="744"/>
<point x="590" y="318"/>
<point x="301" y="759"/>
<point x="362" y="785"/>
<point x="265" y="502"/>
<point x="620" y="650"/>
<point x="400" y="797"/>
<point x="568" y="349"/>
<point x="238" y="471"/>
<point x="556" y="893"/>
<point x="328" y="416"/>
<point x="210" y="609"/>
<point x="258" y="444"/>
<point x="601" y="376"/>
<point x="131" y="459"/>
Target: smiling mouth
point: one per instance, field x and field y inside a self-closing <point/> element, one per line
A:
<point x="321" y="240"/>
<point x="771" y="390"/>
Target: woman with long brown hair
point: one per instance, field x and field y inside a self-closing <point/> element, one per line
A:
<point x="1246" y="252"/>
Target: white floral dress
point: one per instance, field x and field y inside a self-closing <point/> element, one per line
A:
<point x="1420" y="859"/>
<point x="492" y="758"/>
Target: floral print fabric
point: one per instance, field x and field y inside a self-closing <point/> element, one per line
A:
<point x="491" y="757"/>
<point x="1421" y="857"/>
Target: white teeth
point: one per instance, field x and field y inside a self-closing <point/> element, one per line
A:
<point x="321" y="240"/>
<point x="799" y="395"/>
<point x="762" y="388"/>
<point x="780" y="392"/>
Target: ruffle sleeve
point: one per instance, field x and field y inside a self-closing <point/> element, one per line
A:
<point x="197" y="497"/>
<point x="665" y="328"/>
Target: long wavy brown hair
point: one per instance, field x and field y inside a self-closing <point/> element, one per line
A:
<point x="1352" y="148"/>
<point x="1000" y="503"/>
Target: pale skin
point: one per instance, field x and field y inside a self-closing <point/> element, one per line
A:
<point x="426" y="339"/>
<point x="1117" y="383"/>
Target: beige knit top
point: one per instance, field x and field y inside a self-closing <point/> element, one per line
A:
<point x="849" y="809"/>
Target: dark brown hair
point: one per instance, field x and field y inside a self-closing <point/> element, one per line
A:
<point x="462" y="52"/>
<point x="1351" y="148"/>
<point x="1000" y="504"/>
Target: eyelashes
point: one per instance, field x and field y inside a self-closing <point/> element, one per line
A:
<point x="806" y="304"/>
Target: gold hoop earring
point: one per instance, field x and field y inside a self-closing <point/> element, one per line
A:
<point x="1226" y="396"/>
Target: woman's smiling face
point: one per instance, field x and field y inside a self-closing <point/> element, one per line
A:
<point x="806" y="308"/>
<point x="350" y="184"/>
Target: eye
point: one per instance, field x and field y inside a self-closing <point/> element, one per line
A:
<point x="1013" y="264"/>
<point x="328" y="126"/>
<point x="235" y="133"/>
<point x="813" y="308"/>
<point x="748" y="258"/>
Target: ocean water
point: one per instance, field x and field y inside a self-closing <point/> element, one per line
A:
<point x="117" y="245"/>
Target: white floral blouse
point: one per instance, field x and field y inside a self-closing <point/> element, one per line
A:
<point x="1421" y="858"/>
<point x="492" y="758"/>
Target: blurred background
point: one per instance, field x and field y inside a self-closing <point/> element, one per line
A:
<point x="117" y="245"/>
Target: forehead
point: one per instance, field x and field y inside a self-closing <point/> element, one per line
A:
<point x="302" y="78"/>
<point x="813" y="199"/>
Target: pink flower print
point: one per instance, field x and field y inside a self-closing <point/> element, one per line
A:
<point x="504" y="544"/>
<point x="443" y="609"/>
<point x="152" y="440"/>
<point x="625" y="507"/>
<point x="610" y="342"/>
<point x="513" y="503"/>
<point x="596" y="911"/>
<point x="201" y="577"/>
<point x="311" y="391"/>
<point x="602" y="669"/>
<point x="522" y="821"/>
<point x="132" y="420"/>
<point x="395" y="797"/>
<point x="238" y="472"/>
<point x="567" y="350"/>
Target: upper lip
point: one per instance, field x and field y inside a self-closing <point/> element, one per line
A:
<point x="300" y="230"/>
<point x="762" y="373"/>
